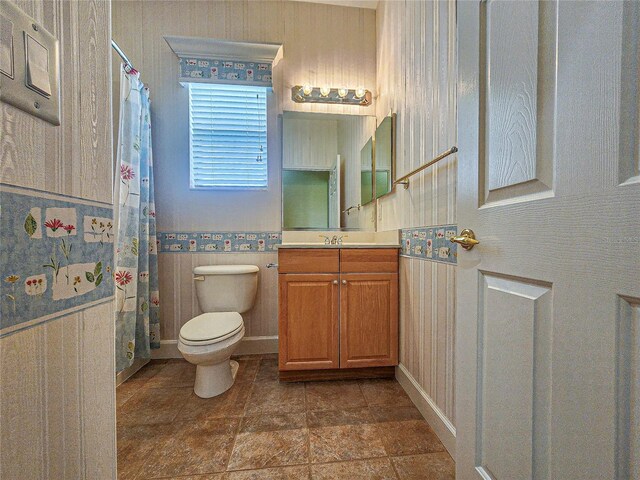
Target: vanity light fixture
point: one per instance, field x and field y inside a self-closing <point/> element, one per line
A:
<point x="343" y="95"/>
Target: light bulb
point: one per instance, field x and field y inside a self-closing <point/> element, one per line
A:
<point x="325" y="91"/>
<point x="342" y="92"/>
<point x="360" y="92"/>
<point x="307" y="89"/>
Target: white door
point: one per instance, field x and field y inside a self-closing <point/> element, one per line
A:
<point x="548" y="304"/>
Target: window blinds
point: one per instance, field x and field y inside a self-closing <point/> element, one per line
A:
<point x="227" y="136"/>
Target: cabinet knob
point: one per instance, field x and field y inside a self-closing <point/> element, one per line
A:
<point x="344" y="282"/>
<point x="335" y="282"/>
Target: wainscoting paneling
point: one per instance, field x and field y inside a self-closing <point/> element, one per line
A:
<point x="57" y="400"/>
<point x="57" y="395"/>
<point x="62" y="159"/>
<point x="416" y="72"/>
<point x="179" y="304"/>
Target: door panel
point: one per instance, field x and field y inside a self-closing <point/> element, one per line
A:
<point x="629" y="168"/>
<point x="517" y="96"/>
<point x="368" y="320"/>
<point x="514" y="345"/>
<point x="546" y="324"/>
<point x="308" y="322"/>
<point x="628" y="389"/>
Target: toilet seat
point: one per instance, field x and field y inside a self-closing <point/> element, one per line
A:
<point x="210" y="328"/>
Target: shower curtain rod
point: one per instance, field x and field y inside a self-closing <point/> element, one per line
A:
<point x="125" y="59"/>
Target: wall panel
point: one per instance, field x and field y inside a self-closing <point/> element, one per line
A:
<point x="416" y="78"/>
<point x="57" y="389"/>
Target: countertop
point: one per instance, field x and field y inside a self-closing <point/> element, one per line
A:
<point x="344" y="245"/>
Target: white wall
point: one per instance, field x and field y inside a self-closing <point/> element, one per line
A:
<point x="57" y="389"/>
<point x="416" y="55"/>
<point x="323" y="44"/>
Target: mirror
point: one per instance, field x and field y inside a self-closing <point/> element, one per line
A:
<point x="366" y="172"/>
<point x="321" y="171"/>
<point x="385" y="156"/>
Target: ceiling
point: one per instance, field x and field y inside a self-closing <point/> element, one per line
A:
<point x="347" y="3"/>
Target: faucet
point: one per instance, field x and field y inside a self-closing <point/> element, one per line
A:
<point x="334" y="240"/>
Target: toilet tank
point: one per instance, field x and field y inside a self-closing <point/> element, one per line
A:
<point x="226" y="288"/>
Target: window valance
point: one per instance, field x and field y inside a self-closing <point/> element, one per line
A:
<point x="208" y="60"/>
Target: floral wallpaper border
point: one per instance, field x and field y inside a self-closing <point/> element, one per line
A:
<point x="225" y="71"/>
<point x="430" y="243"/>
<point x="56" y="255"/>
<point x="218" y="242"/>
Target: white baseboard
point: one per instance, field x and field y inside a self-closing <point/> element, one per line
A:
<point x="168" y="349"/>
<point x="248" y="346"/>
<point x="257" y="345"/>
<point x="433" y="415"/>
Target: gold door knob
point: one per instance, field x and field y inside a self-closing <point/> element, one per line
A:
<point x="335" y="282"/>
<point x="467" y="239"/>
<point x="344" y="282"/>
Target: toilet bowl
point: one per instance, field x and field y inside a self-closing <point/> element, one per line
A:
<point x="209" y="340"/>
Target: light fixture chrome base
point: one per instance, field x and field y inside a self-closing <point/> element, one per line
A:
<point x="333" y="97"/>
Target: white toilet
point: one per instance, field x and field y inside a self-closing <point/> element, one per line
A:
<point x="208" y="340"/>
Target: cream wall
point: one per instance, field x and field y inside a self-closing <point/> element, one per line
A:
<point x="416" y="71"/>
<point x="57" y="395"/>
<point x="309" y="143"/>
<point x="323" y="44"/>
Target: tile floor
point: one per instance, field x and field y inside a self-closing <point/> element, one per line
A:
<point x="263" y="429"/>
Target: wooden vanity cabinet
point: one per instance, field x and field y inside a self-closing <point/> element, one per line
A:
<point x="368" y="320"/>
<point x="338" y="309"/>
<point x="308" y="321"/>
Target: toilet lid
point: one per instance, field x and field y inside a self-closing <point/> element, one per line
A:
<point x="225" y="269"/>
<point x="211" y="326"/>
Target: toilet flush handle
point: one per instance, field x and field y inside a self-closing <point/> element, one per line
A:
<point x="272" y="265"/>
<point x="199" y="278"/>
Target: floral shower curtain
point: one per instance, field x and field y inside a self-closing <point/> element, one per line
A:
<point x="136" y="263"/>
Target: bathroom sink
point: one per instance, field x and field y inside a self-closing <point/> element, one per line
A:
<point x="350" y="239"/>
<point x="343" y="245"/>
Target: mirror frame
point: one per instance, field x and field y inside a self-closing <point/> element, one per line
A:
<point x="372" y="139"/>
<point x="392" y="190"/>
<point x="280" y="127"/>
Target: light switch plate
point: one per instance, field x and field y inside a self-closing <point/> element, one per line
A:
<point x="28" y="88"/>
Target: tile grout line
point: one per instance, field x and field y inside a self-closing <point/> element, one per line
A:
<point x="244" y="414"/>
<point x="306" y="422"/>
<point x="251" y="384"/>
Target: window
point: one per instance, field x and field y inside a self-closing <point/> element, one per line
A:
<point x="228" y="136"/>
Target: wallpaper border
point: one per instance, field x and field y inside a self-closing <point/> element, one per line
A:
<point x="219" y="242"/>
<point x="220" y="70"/>
<point x="430" y="243"/>
<point x="56" y="256"/>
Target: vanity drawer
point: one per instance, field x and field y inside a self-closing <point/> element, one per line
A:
<point x="308" y="260"/>
<point x="364" y="260"/>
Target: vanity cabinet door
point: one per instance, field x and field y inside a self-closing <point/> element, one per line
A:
<point x="308" y="321"/>
<point x="368" y="320"/>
